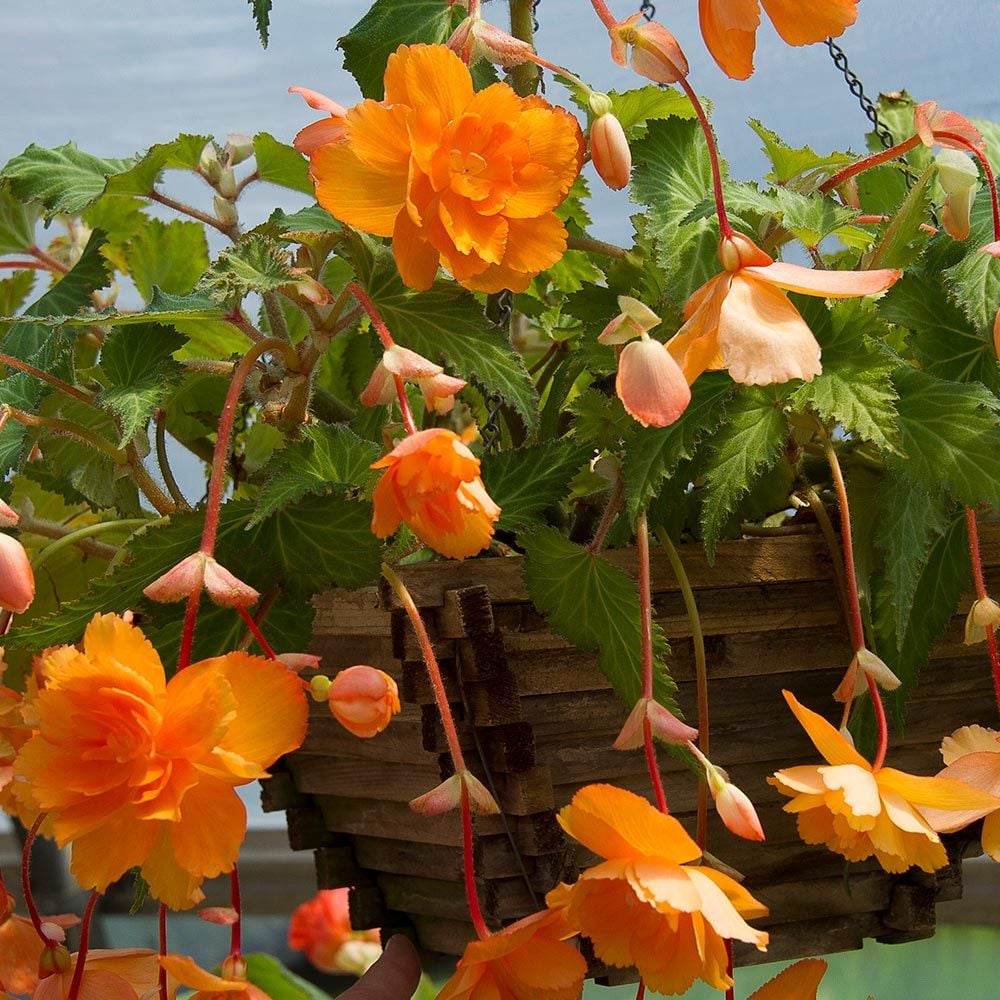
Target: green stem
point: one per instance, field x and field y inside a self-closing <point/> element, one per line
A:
<point x="89" y="531"/>
<point x="524" y="78"/>
<point x="275" y="316"/>
<point x="589" y="245"/>
<point x="163" y="460"/>
<point x="70" y="429"/>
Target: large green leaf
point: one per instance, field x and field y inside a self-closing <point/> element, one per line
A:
<point x="800" y="165"/>
<point x="749" y="443"/>
<point x="950" y="436"/>
<point x="974" y="285"/>
<point x="654" y="453"/>
<point x="254" y="264"/>
<point x="17" y="222"/>
<point x="596" y="606"/>
<point x="526" y="481"/>
<point x="327" y="456"/>
<point x="278" y="163"/>
<point x="170" y="256"/>
<point x="147" y="167"/>
<point x="387" y="25"/>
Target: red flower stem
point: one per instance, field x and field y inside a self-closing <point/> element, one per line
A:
<point x="433" y="670"/>
<point x="187" y="632"/>
<point x="725" y="229"/>
<point x="604" y="13"/>
<point x="404" y="405"/>
<point x="81" y="955"/>
<point x="640" y="992"/>
<point x="474" y="6"/>
<point x="653" y="767"/>
<point x="875" y="160"/>
<point x="162" y="926"/>
<point x="32" y="265"/>
<point x="980" y="582"/>
<point x="29" y="899"/>
<point x="877" y="220"/>
<point x="257" y="634"/>
<point x="731" y="992"/>
<point x="471" y="893"/>
<point x="609" y="516"/>
<point x="226" y="419"/>
<point x="236" y="899"/>
<point x="990" y="179"/>
<point x="64" y="387"/>
<point x="373" y="314"/>
<point x="49" y="262"/>
<point x="883" y="728"/>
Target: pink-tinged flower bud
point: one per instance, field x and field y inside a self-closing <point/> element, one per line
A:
<point x="437" y="388"/>
<point x="984" y="612"/>
<point x="610" y="153"/>
<point x="234" y="967"/>
<point x="633" y="321"/>
<point x="864" y="664"/>
<point x="224" y="916"/>
<point x="239" y="147"/>
<point x="226" y="184"/>
<point x="737" y="812"/>
<point x="200" y="571"/>
<point x="53" y="932"/>
<point x="448" y="795"/>
<point x="439" y="391"/>
<point x="475" y="40"/>
<point x="208" y="163"/>
<point x="408" y="364"/>
<point x="363" y="700"/>
<point x="939" y="127"/>
<point x="665" y="726"/>
<point x="297" y="662"/>
<point x="738" y="251"/>
<point x="8" y="516"/>
<point x="959" y="178"/>
<point x="655" y="53"/>
<point x="17" y="582"/>
<point x="650" y="383"/>
<point x="308" y="288"/>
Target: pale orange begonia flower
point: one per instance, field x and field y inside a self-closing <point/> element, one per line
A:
<point x="21" y="947"/>
<point x="363" y="700"/>
<point x="431" y="482"/>
<point x="938" y="126"/>
<point x="730" y="26"/>
<point x="462" y="179"/>
<point x="109" y="974"/>
<point x="437" y="388"/>
<point x="972" y="755"/>
<point x="610" y="152"/>
<point x="321" y="927"/>
<point x="652" y="50"/>
<point x="526" y="959"/>
<point x="138" y="772"/>
<point x="329" y="129"/>
<point x="859" y="812"/>
<point x="743" y="320"/>
<point x="207" y="985"/>
<point x="645" y="905"/>
<point x="798" y="982"/>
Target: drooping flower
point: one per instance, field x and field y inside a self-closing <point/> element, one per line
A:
<point x="742" y="319"/>
<point x="363" y="700"/>
<point x="865" y="664"/>
<point x="475" y="40"/>
<point x="437" y="388"/>
<point x="984" y="613"/>
<point x="526" y="959"/>
<point x="21" y="947"/>
<point x="138" y="772"/>
<point x="645" y="905"/>
<point x="960" y="179"/>
<point x="321" y="927"/>
<point x="448" y="795"/>
<point x="859" y="812"/>
<point x="231" y="985"/>
<point x="652" y="50"/>
<point x="609" y="148"/>
<point x="201" y="571"/>
<point x="108" y="974"/>
<point x="798" y="982"/>
<point x="17" y="582"/>
<point x="730" y="26"/>
<point x="664" y="725"/>
<point x="938" y="126"/>
<point x="972" y="755"/>
<point x="431" y="482"/>
<point x="465" y="180"/>
<point x="326" y="130"/>
<point x="733" y="805"/>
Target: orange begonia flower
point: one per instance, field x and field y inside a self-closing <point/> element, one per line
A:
<point x="363" y="700"/>
<point x="21" y="947"/>
<point x="798" y="982"/>
<point x="730" y="26"/>
<point x="858" y="812"/>
<point x="14" y="733"/>
<point x="207" y="985"/>
<point x="458" y="178"/>
<point x="136" y="772"/>
<point x="321" y="927"/>
<point x="431" y="482"/>
<point x="972" y="755"/>
<point x="525" y="959"/>
<point x="109" y="974"/>
<point x="329" y="129"/>
<point x="644" y="906"/>
<point x="743" y="320"/>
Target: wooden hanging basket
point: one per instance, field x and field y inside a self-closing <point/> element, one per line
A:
<point x="539" y="716"/>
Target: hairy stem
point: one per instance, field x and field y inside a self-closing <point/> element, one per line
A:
<point x="589" y="245"/>
<point x="980" y="582"/>
<point x="608" y="518"/>
<point x="236" y="901"/>
<point x="163" y="504"/>
<point x="725" y="229"/>
<point x="471" y="893"/>
<point x="163" y="460"/>
<point x="88" y="531"/>
<point x="64" y="387"/>
<point x="226" y="228"/>
<point x="256" y="633"/>
<point x="162" y="931"/>
<point x="875" y="160"/>
<point x="81" y="954"/>
<point x="69" y="429"/>
<point x="524" y="78"/>
<point x="29" y="899"/>
<point x="50" y="262"/>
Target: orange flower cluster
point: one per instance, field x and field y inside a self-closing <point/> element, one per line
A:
<point x="321" y="927"/>
<point x="136" y="772"/>
<point x="465" y="180"/>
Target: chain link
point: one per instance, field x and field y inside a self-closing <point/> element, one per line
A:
<point x="534" y="15"/>
<point x="490" y="431"/>
<point x="647" y="10"/>
<point x="856" y="87"/>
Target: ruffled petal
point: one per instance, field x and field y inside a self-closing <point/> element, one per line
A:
<point x="353" y="192"/>
<point x="802" y="22"/>
<point x="729" y="28"/>
<point x="829" y="284"/>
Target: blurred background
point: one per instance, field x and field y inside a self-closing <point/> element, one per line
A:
<point x="116" y="76"/>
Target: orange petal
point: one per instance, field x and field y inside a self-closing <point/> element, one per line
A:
<point x="829" y="284"/>
<point x="168" y="882"/>
<point x="379" y="137"/>
<point x="762" y="338"/>
<point x="858" y="785"/>
<point x="936" y="793"/>
<point x="721" y="914"/>
<point x="650" y="383"/>
<point x="729" y="28"/>
<point x="991" y="836"/>
<point x="969" y="739"/>
<point x="353" y="192"/>
<point x="827" y="740"/>
<point x="798" y="982"/>
<point x="747" y="906"/>
<point x="416" y="259"/>
<point x="535" y="244"/>
<point x="318" y="101"/>
<point x="307" y="140"/>
<point x="555" y="141"/>
<point x="802" y="22"/>
<point x="428" y="75"/>
<point x="189" y="973"/>
<point x="978" y="770"/>
<point x="656" y="54"/>
<point x="111" y="638"/>
<point x="121" y="842"/>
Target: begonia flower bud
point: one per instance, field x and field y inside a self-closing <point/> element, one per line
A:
<point x="985" y="612"/>
<point x="650" y="383"/>
<point x="239" y="147"/>
<point x="610" y="152"/>
<point x="17" y="582"/>
<point x="959" y="178"/>
<point x="363" y="700"/>
<point x="665" y="726"/>
<point x="8" y="516"/>
<point x="475" y="40"/>
<point x="198" y="571"/>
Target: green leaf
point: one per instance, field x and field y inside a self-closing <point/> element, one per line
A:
<point x="655" y="452"/>
<point x="137" y="360"/>
<point x="910" y="522"/>
<point x="311" y="220"/>
<point x="265" y="971"/>
<point x="147" y="168"/>
<point x="600" y="420"/>
<point x="903" y="240"/>
<point x="65" y="179"/>
<point x="170" y="256"/>
<point x="13" y="293"/>
<point x="526" y="481"/>
<point x="387" y="25"/>
<point x="855" y="388"/>
<point x="327" y="456"/>
<point x="595" y="606"/>
<point x="280" y="164"/>
<point x="950" y="436"/>
<point x="254" y="264"/>
<point x="634" y="108"/>
<point x="974" y="285"/>
<point x="261" y="10"/>
<point x="796" y="164"/>
<point x="17" y="223"/>
<point x="811" y="219"/>
<point x="447" y="322"/>
<point x="750" y="442"/>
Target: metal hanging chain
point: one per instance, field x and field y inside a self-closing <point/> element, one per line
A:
<point x="534" y="15"/>
<point x="647" y="10"/>
<point x="857" y="88"/>
<point x="490" y="432"/>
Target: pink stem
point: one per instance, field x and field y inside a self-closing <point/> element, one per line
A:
<point x="653" y="766"/>
<point x="236" y="898"/>
<point x="64" y="387"/>
<point x="404" y="405"/>
<point x="876" y="160"/>
<point x="373" y="314"/>
<point x="883" y="728"/>
<point x="81" y="955"/>
<point x="990" y="179"/>
<point x="604" y="13"/>
<point x="29" y="899"/>
<point x="725" y="229"/>
<point x="731" y="992"/>
<point x="187" y="632"/>
<point x="471" y="893"/>
<point x="980" y="582"/>
<point x="27" y="265"/>
<point x="257" y="634"/>
<point x="162" y="927"/>
<point x="640" y="992"/>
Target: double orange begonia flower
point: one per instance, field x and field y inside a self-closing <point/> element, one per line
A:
<point x="859" y="812"/>
<point x="742" y="319"/>
<point x="465" y="180"/>
<point x="136" y="772"/>
<point x="645" y="906"/>
<point x="730" y="26"/>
